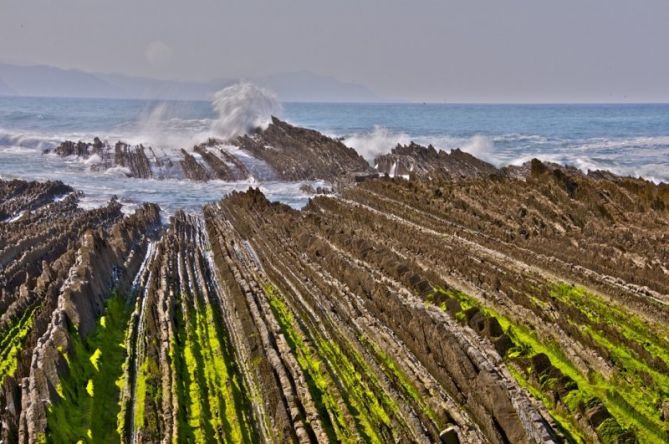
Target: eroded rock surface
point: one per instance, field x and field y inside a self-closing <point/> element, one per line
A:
<point x="105" y="262"/>
<point x="132" y="160"/>
<point x="18" y="196"/>
<point x="280" y="152"/>
<point x="299" y="153"/>
<point x="430" y="163"/>
<point x="398" y="310"/>
<point x="58" y="265"/>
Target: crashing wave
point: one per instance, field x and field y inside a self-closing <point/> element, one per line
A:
<point x="243" y="108"/>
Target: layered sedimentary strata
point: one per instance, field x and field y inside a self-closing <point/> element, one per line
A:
<point x="298" y="153"/>
<point x="213" y="160"/>
<point x="222" y="164"/>
<point x="18" y="197"/>
<point x="405" y="371"/>
<point x="205" y="162"/>
<point x="395" y="311"/>
<point x="37" y="251"/>
<point x="429" y="163"/>
<point x="104" y="263"/>
<point x="184" y="381"/>
<point x="132" y="160"/>
<point x="281" y="151"/>
<point x="594" y="351"/>
<point x="59" y="263"/>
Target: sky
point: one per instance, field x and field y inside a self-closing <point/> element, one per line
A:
<point x="418" y="50"/>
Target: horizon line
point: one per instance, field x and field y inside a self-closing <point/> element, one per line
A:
<point x="356" y="102"/>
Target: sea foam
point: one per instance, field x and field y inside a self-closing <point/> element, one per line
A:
<point x="242" y="108"/>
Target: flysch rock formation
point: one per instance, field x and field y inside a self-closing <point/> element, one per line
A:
<point x="59" y="264"/>
<point x="417" y="310"/>
<point x="299" y="153"/>
<point x="134" y="161"/>
<point x="279" y="152"/>
<point x="429" y="163"/>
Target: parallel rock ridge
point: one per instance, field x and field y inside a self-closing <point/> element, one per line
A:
<point x="285" y="152"/>
<point x="299" y="153"/>
<point x="399" y="310"/>
<point x="134" y="161"/>
<point x="429" y="163"/>
<point x="281" y="151"/>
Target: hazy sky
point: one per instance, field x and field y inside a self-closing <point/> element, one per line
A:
<point x="461" y="50"/>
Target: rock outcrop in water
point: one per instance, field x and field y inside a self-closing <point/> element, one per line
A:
<point x="281" y="151"/>
<point x="298" y="153"/>
<point x="416" y="310"/>
<point x="224" y="166"/>
<point x="429" y="163"/>
<point x="101" y="156"/>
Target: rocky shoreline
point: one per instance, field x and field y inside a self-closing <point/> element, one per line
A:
<point x="436" y="298"/>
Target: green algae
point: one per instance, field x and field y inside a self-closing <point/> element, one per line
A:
<point x="212" y="401"/>
<point x="395" y="373"/>
<point x="11" y="344"/>
<point x="634" y="391"/>
<point x="87" y="395"/>
<point x="630" y="408"/>
<point x="319" y="381"/>
<point x="355" y="380"/>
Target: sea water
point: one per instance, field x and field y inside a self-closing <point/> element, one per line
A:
<point x="627" y="139"/>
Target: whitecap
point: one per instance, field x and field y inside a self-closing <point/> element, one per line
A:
<point x="376" y="142"/>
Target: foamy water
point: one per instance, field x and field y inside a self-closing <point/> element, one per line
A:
<point x="170" y="194"/>
<point x="630" y="139"/>
<point x="626" y="139"/>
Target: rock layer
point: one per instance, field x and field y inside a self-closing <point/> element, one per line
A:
<point x="398" y="310"/>
<point x="281" y="151"/>
<point x="429" y="163"/>
<point x="132" y="160"/>
<point x="299" y="153"/>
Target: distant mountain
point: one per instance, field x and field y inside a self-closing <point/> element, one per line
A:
<point x="147" y="88"/>
<point x="50" y="81"/>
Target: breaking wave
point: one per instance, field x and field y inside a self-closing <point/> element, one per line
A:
<point x="381" y="140"/>
<point x="19" y="139"/>
<point x="376" y="142"/>
<point x="644" y="156"/>
<point x="480" y="146"/>
<point x="242" y="108"/>
<point x="238" y="109"/>
<point x="159" y="127"/>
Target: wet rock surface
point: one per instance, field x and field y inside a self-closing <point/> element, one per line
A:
<point x="397" y="310"/>
<point x="299" y="153"/>
<point x="131" y="160"/>
<point x="280" y="152"/>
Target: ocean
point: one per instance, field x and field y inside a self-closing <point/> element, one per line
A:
<point x="629" y="139"/>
